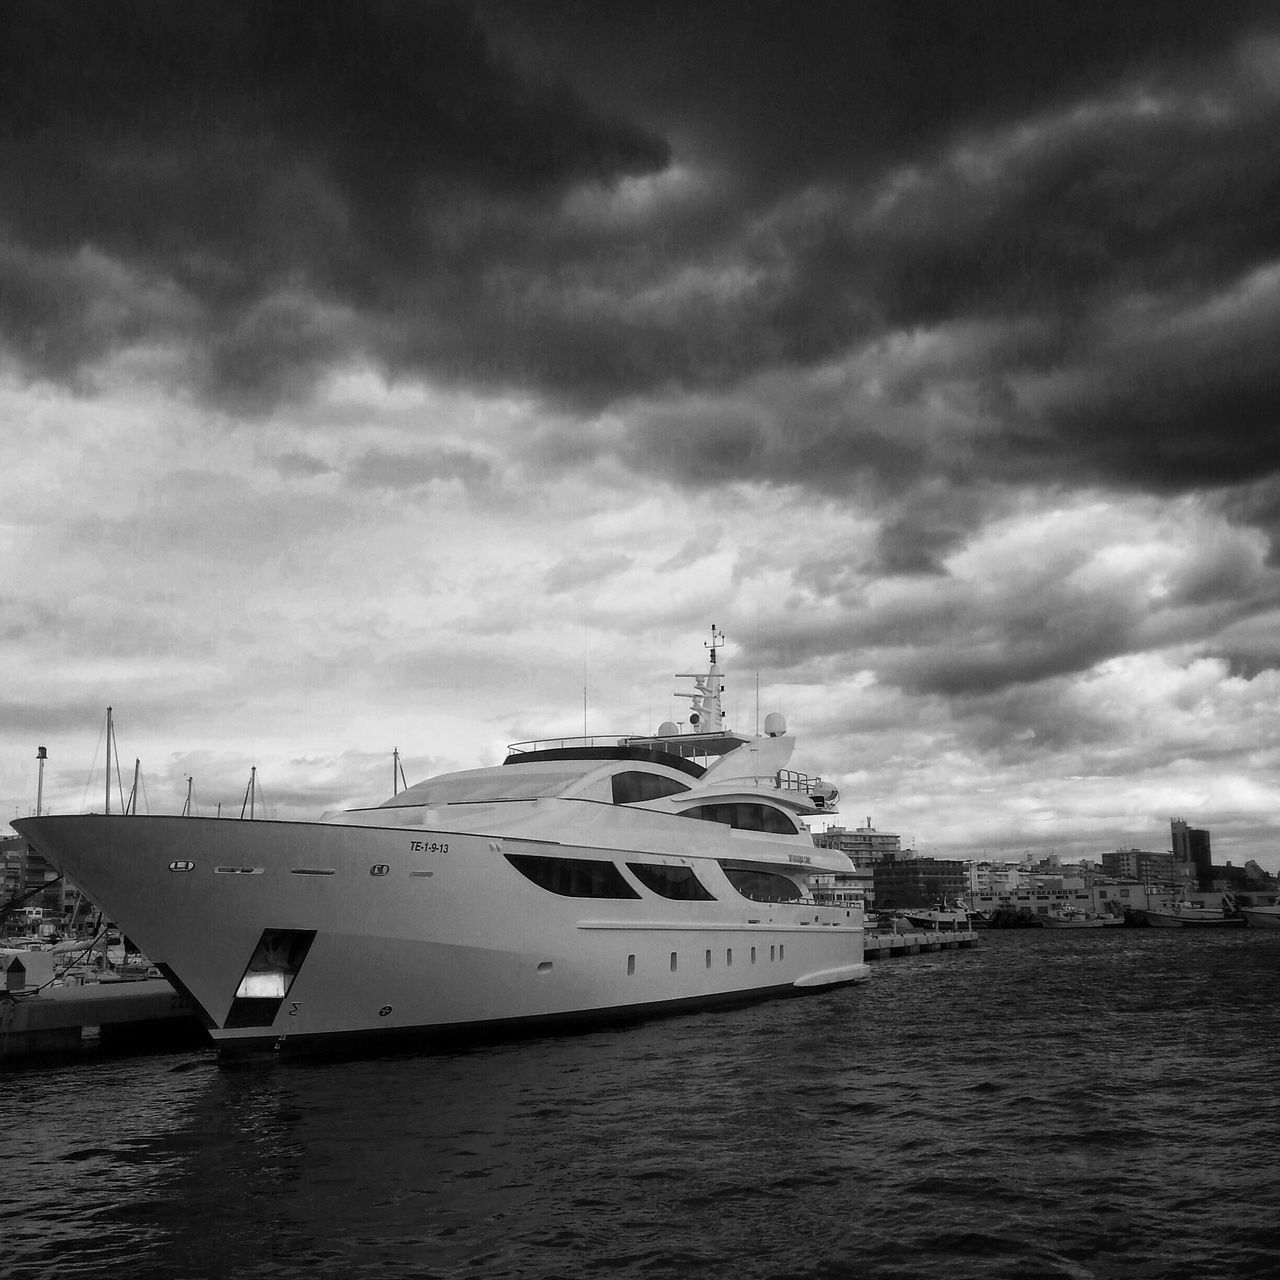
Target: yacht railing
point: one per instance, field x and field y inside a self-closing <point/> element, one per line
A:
<point x="688" y="745"/>
<point x="557" y="744"/>
<point x="790" y="780"/>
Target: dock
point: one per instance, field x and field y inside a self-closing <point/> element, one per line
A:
<point x="884" y="945"/>
<point x="123" y="1015"/>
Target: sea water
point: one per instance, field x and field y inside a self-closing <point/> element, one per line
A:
<point x="1094" y="1103"/>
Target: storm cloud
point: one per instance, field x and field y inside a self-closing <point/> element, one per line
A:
<point x="347" y="348"/>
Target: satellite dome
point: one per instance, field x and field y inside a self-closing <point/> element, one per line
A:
<point x="667" y="729"/>
<point x="775" y="724"/>
<point x="824" y="795"/>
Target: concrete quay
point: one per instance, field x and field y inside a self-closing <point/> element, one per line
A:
<point x="124" y="1015"/>
<point x="884" y="945"/>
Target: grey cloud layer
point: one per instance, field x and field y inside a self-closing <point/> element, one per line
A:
<point x="1078" y="203"/>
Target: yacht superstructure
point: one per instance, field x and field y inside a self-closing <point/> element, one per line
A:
<point x="582" y="879"/>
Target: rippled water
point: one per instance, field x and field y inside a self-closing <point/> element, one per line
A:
<point x="1092" y="1104"/>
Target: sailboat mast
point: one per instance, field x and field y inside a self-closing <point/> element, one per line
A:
<point x="110" y="735"/>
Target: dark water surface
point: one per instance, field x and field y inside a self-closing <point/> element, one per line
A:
<point x="1077" y="1104"/>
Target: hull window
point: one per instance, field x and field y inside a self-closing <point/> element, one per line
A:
<point x="634" y="787"/>
<point x="764" y="886"/>
<point x="678" y="883"/>
<point x="572" y="877"/>
<point x="268" y="976"/>
<point x="745" y="817"/>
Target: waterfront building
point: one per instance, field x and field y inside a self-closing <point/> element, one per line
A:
<point x="904" y="880"/>
<point x="22" y="872"/>
<point x="1140" y="865"/>
<point x="865" y="845"/>
<point x="993" y="878"/>
<point x="1034" y="899"/>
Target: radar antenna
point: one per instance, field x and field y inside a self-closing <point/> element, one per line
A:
<point x="707" y="713"/>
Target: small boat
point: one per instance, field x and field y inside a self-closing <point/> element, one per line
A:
<point x="1262" y="917"/>
<point x="1191" y="915"/>
<point x="941" y="917"/>
<point x="1073" y="918"/>
<point x="581" y="880"/>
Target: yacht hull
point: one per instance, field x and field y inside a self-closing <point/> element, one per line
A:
<point x="300" y="936"/>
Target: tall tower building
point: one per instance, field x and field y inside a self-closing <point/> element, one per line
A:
<point x="1191" y="853"/>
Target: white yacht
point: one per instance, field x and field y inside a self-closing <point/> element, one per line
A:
<point x="582" y="879"/>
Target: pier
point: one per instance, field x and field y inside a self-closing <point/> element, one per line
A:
<point x="144" y="1013"/>
<point x="884" y="945"/>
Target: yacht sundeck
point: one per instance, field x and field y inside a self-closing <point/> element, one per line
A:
<point x="582" y="879"/>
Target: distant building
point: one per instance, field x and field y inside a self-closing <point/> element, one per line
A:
<point x="993" y="878"/>
<point x="1259" y="877"/>
<point x="23" y="872"/>
<point x="1191" y="854"/>
<point x="903" y="881"/>
<point x="1139" y="865"/>
<point x="866" y="846"/>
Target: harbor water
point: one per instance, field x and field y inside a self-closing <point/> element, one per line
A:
<point x="1093" y="1103"/>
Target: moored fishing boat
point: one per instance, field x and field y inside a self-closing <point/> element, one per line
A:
<point x="942" y="917"/>
<point x="1073" y="918"/>
<point x="1262" y="917"/>
<point x="582" y="879"/>
<point x="1191" y="915"/>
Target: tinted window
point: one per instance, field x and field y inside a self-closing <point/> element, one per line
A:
<point x="633" y="787"/>
<point x="745" y="817"/>
<point x="670" y="882"/>
<point x="764" y="886"/>
<point x="573" y="877"/>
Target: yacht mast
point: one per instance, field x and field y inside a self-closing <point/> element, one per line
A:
<point x="707" y="713"/>
<point x="132" y="806"/>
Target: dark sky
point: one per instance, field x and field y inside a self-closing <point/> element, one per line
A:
<point x="942" y="333"/>
<point x="1088" y="182"/>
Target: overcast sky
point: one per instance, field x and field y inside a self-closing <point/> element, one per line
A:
<point x="432" y="377"/>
